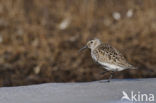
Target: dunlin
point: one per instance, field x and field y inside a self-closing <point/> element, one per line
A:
<point x="107" y="56"/>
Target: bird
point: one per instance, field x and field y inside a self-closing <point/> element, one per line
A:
<point x="107" y="56"/>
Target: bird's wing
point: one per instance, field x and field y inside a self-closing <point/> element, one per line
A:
<point x="111" y="55"/>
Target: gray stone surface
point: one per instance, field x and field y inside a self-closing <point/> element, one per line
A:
<point x="87" y="92"/>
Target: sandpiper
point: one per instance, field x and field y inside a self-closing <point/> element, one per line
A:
<point x="107" y="56"/>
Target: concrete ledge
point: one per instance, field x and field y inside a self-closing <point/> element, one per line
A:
<point x="88" y="92"/>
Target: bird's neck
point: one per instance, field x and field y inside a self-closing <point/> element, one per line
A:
<point x="92" y="49"/>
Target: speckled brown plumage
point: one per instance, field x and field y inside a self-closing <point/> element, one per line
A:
<point x="107" y="56"/>
<point x="106" y="53"/>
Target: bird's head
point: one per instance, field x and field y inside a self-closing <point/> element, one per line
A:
<point x="92" y="44"/>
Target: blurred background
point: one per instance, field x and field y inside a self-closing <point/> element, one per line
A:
<point x="40" y="39"/>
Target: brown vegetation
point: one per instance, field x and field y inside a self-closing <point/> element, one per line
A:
<point x="40" y="39"/>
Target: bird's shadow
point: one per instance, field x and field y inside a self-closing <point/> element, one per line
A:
<point x="117" y="80"/>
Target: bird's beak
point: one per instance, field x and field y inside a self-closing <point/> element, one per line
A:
<point x="85" y="47"/>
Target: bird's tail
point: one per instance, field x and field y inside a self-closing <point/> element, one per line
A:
<point x="132" y="67"/>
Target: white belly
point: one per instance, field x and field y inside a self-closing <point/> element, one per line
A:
<point x="111" y="67"/>
<point x="107" y="66"/>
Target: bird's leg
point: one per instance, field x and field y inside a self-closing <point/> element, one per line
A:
<point x="110" y="77"/>
<point x="106" y="71"/>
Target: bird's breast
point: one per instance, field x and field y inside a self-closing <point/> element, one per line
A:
<point x="94" y="56"/>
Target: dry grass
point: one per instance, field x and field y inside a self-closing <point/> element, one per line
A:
<point x="35" y="48"/>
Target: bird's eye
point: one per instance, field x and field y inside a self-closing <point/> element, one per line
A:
<point x="91" y="42"/>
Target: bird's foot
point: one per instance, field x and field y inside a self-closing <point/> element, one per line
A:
<point x="108" y="80"/>
<point x="104" y="81"/>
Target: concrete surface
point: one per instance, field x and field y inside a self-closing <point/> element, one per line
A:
<point x="87" y="92"/>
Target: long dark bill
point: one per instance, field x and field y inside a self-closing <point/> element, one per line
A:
<point x="85" y="47"/>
